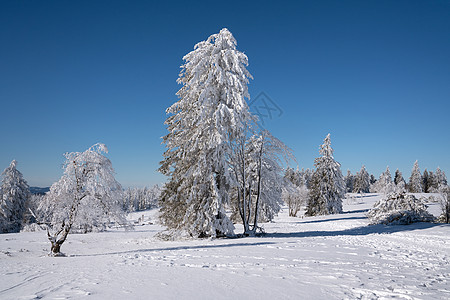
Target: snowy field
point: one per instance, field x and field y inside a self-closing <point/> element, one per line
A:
<point x="332" y="257"/>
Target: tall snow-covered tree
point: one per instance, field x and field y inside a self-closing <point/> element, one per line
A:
<point x="211" y="112"/>
<point x="87" y="195"/>
<point x="14" y="195"/>
<point x="327" y="187"/>
<point x="362" y="181"/>
<point x="415" y="180"/>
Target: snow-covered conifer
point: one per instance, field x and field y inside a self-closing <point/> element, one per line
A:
<point x="349" y="180"/>
<point x="398" y="177"/>
<point x="14" y="195"/>
<point x="362" y="181"/>
<point x="399" y="209"/>
<point x="426" y="180"/>
<point x="305" y="177"/>
<point x="327" y="187"/>
<point x="384" y="184"/>
<point x="440" y="179"/>
<point x="372" y="179"/>
<point x="86" y="196"/>
<point x="210" y="113"/>
<point x="415" y="184"/>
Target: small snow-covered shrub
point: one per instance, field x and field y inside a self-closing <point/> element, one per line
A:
<point x="399" y="209"/>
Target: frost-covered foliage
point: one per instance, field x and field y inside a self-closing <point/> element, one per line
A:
<point x="295" y="191"/>
<point x="327" y="184"/>
<point x="86" y="197"/>
<point x="399" y="209"/>
<point x="426" y="181"/>
<point x="398" y="178"/>
<point x="349" y="180"/>
<point x="136" y="199"/>
<point x="305" y="177"/>
<point x="445" y="204"/>
<point x="362" y="181"/>
<point x="415" y="184"/>
<point x="293" y="176"/>
<point x="32" y="214"/>
<point x="295" y="197"/>
<point x="437" y="181"/>
<point x="384" y="184"/>
<point x="257" y="174"/>
<point x="14" y="194"/>
<point x="211" y="112"/>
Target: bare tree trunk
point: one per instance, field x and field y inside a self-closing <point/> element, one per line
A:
<point x="255" y="223"/>
<point x="57" y="241"/>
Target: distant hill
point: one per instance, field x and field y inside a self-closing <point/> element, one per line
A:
<point x="39" y="190"/>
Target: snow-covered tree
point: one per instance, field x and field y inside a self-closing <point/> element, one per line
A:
<point x="327" y="186"/>
<point x="87" y="195"/>
<point x="415" y="180"/>
<point x="211" y="113"/>
<point x="305" y="177"/>
<point x="372" y="179"/>
<point x="426" y="180"/>
<point x="258" y="178"/>
<point x="295" y="197"/>
<point x="399" y="209"/>
<point x="292" y="176"/>
<point x="437" y="181"/>
<point x="349" y="180"/>
<point x="362" y="181"/>
<point x="14" y="194"/>
<point x="398" y="177"/>
<point x="384" y="184"/>
<point x="445" y="204"/>
<point x="399" y="182"/>
<point x="295" y="191"/>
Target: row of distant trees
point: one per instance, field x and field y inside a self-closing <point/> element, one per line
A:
<point x="362" y="182"/>
<point x="323" y="189"/>
<point x="428" y="182"/>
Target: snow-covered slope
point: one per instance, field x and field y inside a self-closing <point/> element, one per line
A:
<point x="329" y="257"/>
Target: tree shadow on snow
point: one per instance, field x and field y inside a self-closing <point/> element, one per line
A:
<point x="330" y="220"/>
<point x="358" y="231"/>
<point x="175" y="249"/>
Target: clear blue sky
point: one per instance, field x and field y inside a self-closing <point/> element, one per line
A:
<point x="374" y="74"/>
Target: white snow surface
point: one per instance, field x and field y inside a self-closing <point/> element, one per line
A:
<point x="326" y="257"/>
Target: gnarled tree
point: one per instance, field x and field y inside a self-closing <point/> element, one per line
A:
<point x="87" y="195"/>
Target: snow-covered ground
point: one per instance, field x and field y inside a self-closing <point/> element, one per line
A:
<point x="331" y="257"/>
